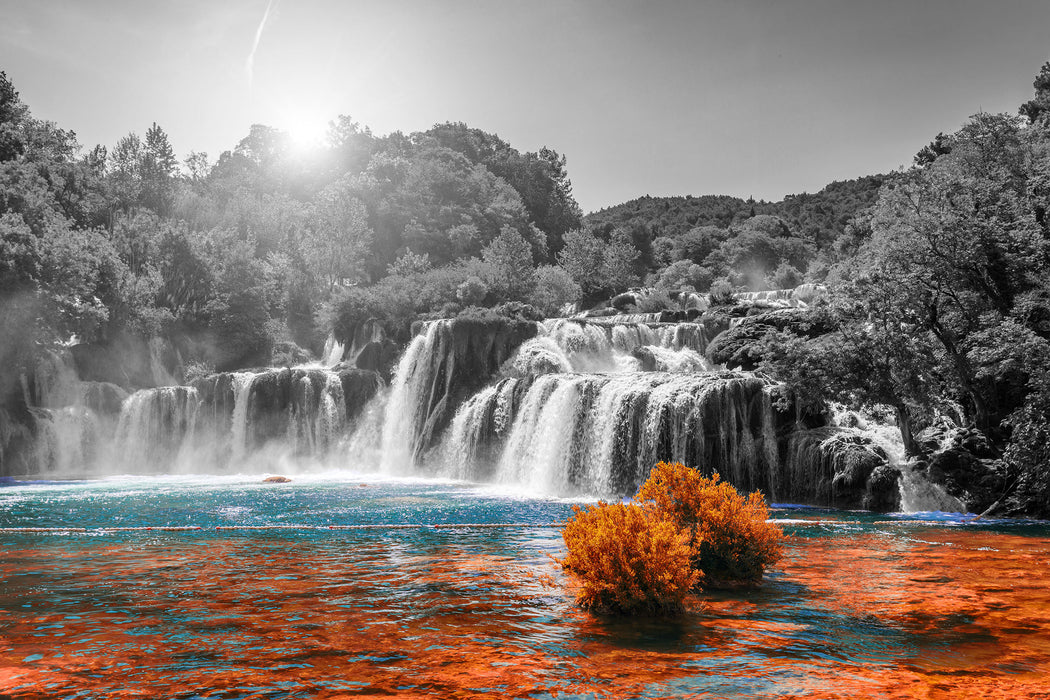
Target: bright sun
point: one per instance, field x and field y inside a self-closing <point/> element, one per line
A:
<point x="306" y="132"/>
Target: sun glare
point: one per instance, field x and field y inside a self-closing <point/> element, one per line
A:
<point x="306" y="132"/>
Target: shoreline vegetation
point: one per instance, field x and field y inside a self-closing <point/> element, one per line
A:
<point x="934" y="311"/>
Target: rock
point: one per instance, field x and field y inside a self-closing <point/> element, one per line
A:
<point x="976" y="481"/>
<point x="288" y="354"/>
<point x="467" y="352"/>
<point x="837" y="467"/>
<point x="359" y="386"/>
<point x="882" y="491"/>
<point x="276" y="480"/>
<point x="740" y="345"/>
<point x="104" y="398"/>
<point x="129" y="361"/>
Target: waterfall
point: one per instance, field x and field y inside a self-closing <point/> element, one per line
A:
<point x="333" y="352"/>
<point x="239" y="429"/>
<point x="317" y="413"/>
<point x="601" y="433"/>
<point x="67" y="440"/>
<point x="582" y="407"/>
<point x="919" y="495"/>
<point x="155" y="427"/>
<point x="407" y="404"/>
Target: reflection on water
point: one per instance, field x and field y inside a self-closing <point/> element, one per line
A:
<point x="858" y="607"/>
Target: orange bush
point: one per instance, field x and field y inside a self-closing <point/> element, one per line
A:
<point x="628" y="559"/>
<point x="731" y="541"/>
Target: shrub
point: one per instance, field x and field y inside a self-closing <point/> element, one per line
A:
<point x="722" y="292"/>
<point x="472" y="291"/>
<point x="656" y="300"/>
<point x="628" y="559"/>
<point x="730" y="539"/>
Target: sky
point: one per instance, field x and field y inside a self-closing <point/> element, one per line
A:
<point x="757" y="98"/>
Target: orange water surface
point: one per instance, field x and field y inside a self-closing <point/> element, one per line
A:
<point x="883" y="612"/>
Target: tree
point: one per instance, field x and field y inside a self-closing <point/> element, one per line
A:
<point x="339" y="239"/>
<point x="601" y="268"/>
<point x="957" y="243"/>
<point x="510" y="258"/>
<point x="873" y="358"/>
<point x="125" y="172"/>
<point x="554" y="289"/>
<point x="1037" y="108"/>
<point x="158" y="169"/>
<point x="197" y="167"/>
<point x="12" y="114"/>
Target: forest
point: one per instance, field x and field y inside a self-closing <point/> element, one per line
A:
<point x="938" y="304"/>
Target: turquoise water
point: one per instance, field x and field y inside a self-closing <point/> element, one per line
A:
<point x="861" y="605"/>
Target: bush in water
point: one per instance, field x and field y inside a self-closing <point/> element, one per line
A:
<point x="731" y="541"/>
<point x="628" y="559"/>
<point x="683" y="531"/>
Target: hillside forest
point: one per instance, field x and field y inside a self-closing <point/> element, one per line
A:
<point x="938" y="303"/>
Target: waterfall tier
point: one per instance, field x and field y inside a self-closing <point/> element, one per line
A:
<point x="588" y="407"/>
<point x="601" y="433"/>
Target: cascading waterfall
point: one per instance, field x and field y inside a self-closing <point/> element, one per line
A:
<point x="317" y="414"/>
<point x="333" y="352"/>
<point x="600" y="434"/>
<point x="408" y="402"/>
<point x="67" y="439"/>
<point x="562" y="346"/>
<point x="156" y="427"/>
<point x="919" y="495"/>
<point x="587" y="406"/>
<point x="239" y="429"/>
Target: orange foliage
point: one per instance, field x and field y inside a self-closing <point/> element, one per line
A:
<point x="628" y="559"/>
<point x="732" y="542"/>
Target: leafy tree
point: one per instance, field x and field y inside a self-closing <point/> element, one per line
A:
<point x="409" y="264"/>
<point x="601" y="268"/>
<point x="510" y="259"/>
<point x="685" y="273"/>
<point x="338" y="242"/>
<point x="158" y="170"/>
<point x="125" y="173"/>
<point x="554" y="289"/>
<point x="785" y="277"/>
<point x="12" y="115"/>
<point x="1035" y="109"/>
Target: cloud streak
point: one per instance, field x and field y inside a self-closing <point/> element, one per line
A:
<point x="249" y="64"/>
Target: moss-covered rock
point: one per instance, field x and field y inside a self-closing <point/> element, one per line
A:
<point x="742" y="344"/>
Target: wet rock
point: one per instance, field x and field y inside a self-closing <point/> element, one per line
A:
<point x="882" y="491"/>
<point x="837" y="467"/>
<point x="976" y="481"/>
<point x="129" y="361"/>
<point x="466" y="354"/>
<point x="103" y="398"/>
<point x="276" y="480"/>
<point x="359" y="386"/>
<point x="741" y="345"/>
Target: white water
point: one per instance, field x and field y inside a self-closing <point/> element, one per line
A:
<point x="156" y="426"/>
<point x="573" y="415"/>
<point x="242" y="386"/>
<point x="404" y="407"/>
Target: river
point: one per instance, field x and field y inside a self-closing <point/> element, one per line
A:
<point x="303" y="590"/>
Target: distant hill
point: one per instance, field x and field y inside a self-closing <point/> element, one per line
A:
<point x="819" y="217"/>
